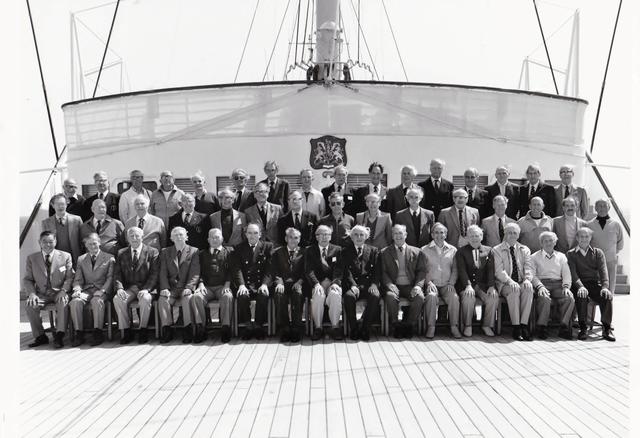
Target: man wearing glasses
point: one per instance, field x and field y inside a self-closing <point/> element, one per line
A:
<point x="340" y="222"/>
<point x="243" y="196"/>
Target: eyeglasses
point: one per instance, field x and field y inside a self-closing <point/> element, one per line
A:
<point x="334" y="203"/>
<point x="237" y="177"/>
<point x="323" y="234"/>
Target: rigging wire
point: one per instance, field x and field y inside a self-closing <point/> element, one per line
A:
<point x="246" y="41"/>
<point x="297" y="29"/>
<point x="346" y="42"/>
<point x="286" y="63"/>
<point x="304" y="36"/>
<point x="358" y="19"/>
<point x="406" y="78"/>
<point x="266" y="70"/>
<point x="364" y="39"/>
<point x="546" y="49"/>
<point x="558" y="29"/>
<point x="106" y="48"/>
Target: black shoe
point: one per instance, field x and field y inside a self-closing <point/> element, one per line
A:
<point x="364" y="333"/>
<point x="517" y="333"/>
<point x="225" y="336"/>
<point x="582" y="334"/>
<point x="201" y="334"/>
<point x="98" y="337"/>
<point x="607" y="335"/>
<point x="524" y="332"/>
<point x="79" y="339"/>
<point x="259" y="333"/>
<point x="408" y="332"/>
<point x="295" y="335"/>
<point x="167" y="335"/>
<point x="58" y="340"/>
<point x="565" y="333"/>
<point x="126" y="336"/>
<point x="542" y="332"/>
<point x="337" y="334"/>
<point x="285" y="335"/>
<point x="40" y="340"/>
<point x="317" y="334"/>
<point x="354" y="334"/>
<point x="143" y="335"/>
<point x="247" y="334"/>
<point x="187" y="334"/>
<point x="398" y="331"/>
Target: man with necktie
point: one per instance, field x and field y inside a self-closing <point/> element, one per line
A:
<point x="505" y="188"/>
<point x="278" y="187"/>
<point x="535" y="187"/>
<point x="231" y="221"/>
<point x="418" y="220"/>
<point x="264" y="213"/>
<point x="243" y="197"/>
<point x="376" y="173"/>
<point x="458" y="218"/>
<point x="65" y="226"/>
<point x="153" y="227"/>
<point x="302" y="220"/>
<point x="396" y="196"/>
<point x="566" y="188"/>
<point x="75" y="201"/>
<point x="197" y="224"/>
<point x="438" y="192"/>
<point x="477" y="198"/>
<point x="340" y="186"/>
<point x="111" y="200"/>
<point x="493" y="226"/>
<point x="110" y="230"/>
<point x="312" y="198"/>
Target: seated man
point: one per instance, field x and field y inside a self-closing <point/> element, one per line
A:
<point x="216" y="274"/>
<point x="253" y="265"/>
<point x="590" y="278"/>
<point x="339" y="222"/>
<point x="403" y="271"/>
<point x="47" y="279"/>
<point x="476" y="278"/>
<point x="110" y="231"/>
<point x="264" y="214"/>
<point x="135" y="277"/>
<point x="179" y="276"/>
<point x="287" y="268"/>
<point x="361" y="281"/>
<point x="197" y="224"/>
<point x="513" y="279"/>
<point x="153" y="230"/>
<point x="552" y="281"/>
<point x="442" y="274"/>
<point x="323" y="268"/>
<point x="92" y="285"/>
<point x="418" y="220"/>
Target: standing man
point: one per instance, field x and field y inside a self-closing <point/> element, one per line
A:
<point x="206" y="202"/>
<point x="153" y="228"/>
<point x="65" y="226"/>
<point x="505" y="188"/>
<point x="533" y="224"/>
<point x="438" y="192"/>
<point x="537" y="188"/>
<point x="418" y="220"/>
<point x="264" y="213"/>
<point x="229" y="220"/>
<point x="302" y="220"/>
<point x="396" y="196"/>
<point x="243" y="197"/>
<point x="458" y="218"/>
<point x="478" y="198"/>
<point x="376" y="172"/>
<point x="339" y="222"/>
<point x="278" y="188"/>
<point x="135" y="277"/>
<point x="179" y="277"/>
<point x="126" y="210"/>
<point x="567" y="225"/>
<point x="110" y="231"/>
<point x="74" y="200"/>
<point x="164" y="202"/>
<point x="340" y="186"/>
<point x="566" y="188"/>
<point x="378" y="223"/>
<point x="493" y="226"/>
<point x="47" y="280"/>
<point x="323" y="267"/>
<point x="92" y="285"/>
<point x="312" y="199"/>
<point x="403" y="271"/>
<point x="608" y="236"/>
<point x="197" y="224"/>
<point x="111" y="200"/>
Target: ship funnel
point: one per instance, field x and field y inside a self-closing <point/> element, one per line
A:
<point x="328" y="40"/>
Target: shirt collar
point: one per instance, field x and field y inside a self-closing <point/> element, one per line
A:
<point x="321" y="248"/>
<point x="413" y="211"/>
<point x="44" y="254"/>
<point x="585" y="252"/>
<point x="145" y="217"/>
<point x="546" y="255"/>
<point x="139" y="249"/>
<point x="104" y="194"/>
<point x="211" y="250"/>
<point x="64" y="216"/>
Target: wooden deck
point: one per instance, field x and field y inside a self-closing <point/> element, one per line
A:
<point x="443" y="387"/>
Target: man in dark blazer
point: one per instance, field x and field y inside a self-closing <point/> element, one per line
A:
<point x="418" y="220"/>
<point x="403" y="272"/>
<point x="252" y="260"/>
<point x="340" y="186"/>
<point x="179" y="278"/>
<point x="111" y="200"/>
<point x="567" y="188"/>
<point x="265" y="214"/>
<point x="231" y="221"/>
<point x="478" y="198"/>
<point x="75" y="201"/>
<point x="376" y="172"/>
<point x="339" y="221"/>
<point x="396" y="199"/>
<point x="196" y="224"/>
<point x="536" y="187"/>
<point x="297" y="218"/>
<point x="438" y="192"/>
<point x="278" y="187"/>
<point x="66" y="227"/>
<point x="243" y="197"/>
<point x="206" y="202"/>
<point x="504" y="187"/>
<point x="111" y="231"/>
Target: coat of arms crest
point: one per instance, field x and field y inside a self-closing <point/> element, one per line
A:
<point x="328" y="152"/>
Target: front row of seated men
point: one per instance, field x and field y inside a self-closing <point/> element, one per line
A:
<point x="181" y="276"/>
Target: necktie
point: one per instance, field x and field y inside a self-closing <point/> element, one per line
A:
<point x="530" y="192"/>
<point x="500" y="229"/>
<point x="306" y="196"/>
<point x="470" y="193"/>
<point x="263" y="214"/>
<point x="141" y="223"/>
<point x="296" y="222"/>
<point x="60" y="221"/>
<point x="93" y="261"/>
<point x="236" y="203"/>
<point x="47" y="263"/>
<point x="324" y="252"/>
<point x="272" y="186"/>
<point x="602" y="221"/>
<point x="415" y="218"/>
<point x="291" y="254"/>
<point x="375" y="189"/>
<point x="476" y="259"/>
<point x="404" y="190"/>
<point x="514" y="265"/>
<point x="134" y="262"/>
<point x="400" y="249"/>
<point x="359" y="252"/>
<point x="99" y="227"/>
<point x="436" y="185"/>
<point x="187" y="217"/>
<point x="463" y="226"/>
<point x="216" y="252"/>
<point x="179" y="254"/>
<point x="566" y="191"/>
<point x="339" y="189"/>
<point x="101" y="196"/>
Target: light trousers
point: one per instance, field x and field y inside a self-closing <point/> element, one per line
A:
<point x="519" y="302"/>
<point x="199" y="302"/>
<point x="165" y="308"/>
<point x="332" y="298"/>
<point x="468" y="307"/>
<point x="122" y="308"/>
<point x="450" y="297"/>
<point x="35" y="320"/>
<point x="77" y="306"/>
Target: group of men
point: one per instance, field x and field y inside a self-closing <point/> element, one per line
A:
<point x="412" y="246"/>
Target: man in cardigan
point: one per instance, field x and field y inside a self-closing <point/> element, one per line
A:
<point x="608" y="236"/>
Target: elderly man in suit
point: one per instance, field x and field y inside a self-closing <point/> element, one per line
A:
<point x="566" y="188"/>
<point x="438" y="192"/>
<point x="243" y="197"/>
<point x="376" y="172"/>
<point x="253" y="263"/>
<point x="302" y="220"/>
<point x="505" y="188"/>
<point x="229" y="220"/>
<point x="403" y="269"/>
<point x="552" y="282"/>
<point x="458" y="218"/>
<point x="493" y="226"/>
<point x="361" y="281"/>
<point x="278" y="188"/>
<point x="378" y="223"/>
<point x="126" y="210"/>
<point x="179" y="277"/>
<point x="418" y="220"/>
<point x="165" y="200"/>
<point x="567" y="225"/>
<point x="312" y="198"/>
<point x="340" y="186"/>
<point x="264" y="213"/>
<point x="608" y="235"/>
<point x="478" y="198"/>
<point x="339" y="222"/>
<point x="206" y="202"/>
<point x="92" y="286"/>
<point x="47" y="280"/>
<point x="533" y="224"/>
<point x="65" y="226"/>
<point x="110" y="230"/>
<point x="217" y="271"/>
<point x="197" y="224"/>
<point x="135" y="277"/>
<point x="111" y="200"/>
<point x="153" y="228"/>
<point x="590" y="281"/>
<point x="323" y="267"/>
<point x="476" y="279"/>
<point x="287" y="269"/>
<point x="396" y="196"/>
<point x="513" y="279"/>
<point x="537" y="188"/>
<point x="75" y="201"/>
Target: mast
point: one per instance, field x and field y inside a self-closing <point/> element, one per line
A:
<point x="328" y="42"/>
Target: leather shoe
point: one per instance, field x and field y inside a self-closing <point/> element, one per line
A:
<point x="542" y="332"/>
<point x="524" y="331"/>
<point x="565" y="333"/>
<point x="455" y="332"/>
<point x="225" y="336"/>
<point x="98" y="337"/>
<point x="167" y="335"/>
<point x="58" y="340"/>
<point x="259" y="333"/>
<point x="398" y="331"/>
<point x="317" y="334"/>
<point x="187" y="334"/>
<point x="201" y="334"/>
<point x="285" y="336"/>
<point x="517" y="333"/>
<point x="364" y="334"/>
<point x="337" y="334"/>
<point x="79" y="339"/>
<point x="143" y="335"/>
<point x="582" y="335"/>
<point x="488" y="331"/>
<point x="467" y="332"/>
<point x="607" y="335"/>
<point x="294" y="335"/>
<point x="247" y="334"/>
<point x="431" y="332"/>
<point x="354" y="335"/>
<point x="40" y="340"/>
<point x="125" y="336"/>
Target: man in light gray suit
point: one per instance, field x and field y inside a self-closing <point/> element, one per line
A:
<point x="264" y="214"/>
<point x="567" y="225"/>
<point x="92" y="285"/>
<point x="567" y="188"/>
<point x="230" y="221"/>
<point x="153" y="229"/>
<point x="458" y="218"/>
<point x="493" y="226"/>
<point x="65" y="226"/>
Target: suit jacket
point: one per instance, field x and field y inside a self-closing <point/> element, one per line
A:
<point x="216" y="270"/>
<point x="280" y="193"/>
<point x="73" y="223"/>
<point x="112" y="236"/>
<point x="359" y="195"/>
<point x="253" y="267"/>
<point x="511" y="192"/>
<point x="177" y="275"/>
<point x="207" y="203"/>
<point x="163" y="207"/>
<point x="427" y="220"/>
<point x="197" y="228"/>
<point x="560" y="228"/>
<point x="436" y="201"/>
<point x="381" y="235"/>
<point x="361" y="272"/>
<point x="449" y="218"/>
<point x="468" y="273"/>
<point x="415" y="262"/>
<point x="154" y="232"/>
<point x="396" y="201"/>
<point x="579" y="194"/>
<point x="491" y="234"/>
<point x="269" y="231"/>
<point x="503" y="266"/>
<point x="317" y="270"/>
<point x="246" y="200"/>
<point x="285" y="271"/>
<point x="308" y="222"/>
<point x="544" y="191"/>
<point x="239" y="225"/>
<point x="61" y="273"/>
<point x="74" y="206"/>
<point x="145" y="276"/>
<point x="480" y="201"/>
<point x="347" y="196"/>
<point x="341" y="228"/>
<point x="112" y="200"/>
<point x="100" y="276"/>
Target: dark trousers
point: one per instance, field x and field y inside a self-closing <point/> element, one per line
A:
<point x="606" y="306"/>
<point x="371" y="310"/>
<point x="293" y="298"/>
<point x="244" y="307"/>
<point x="393" y="305"/>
